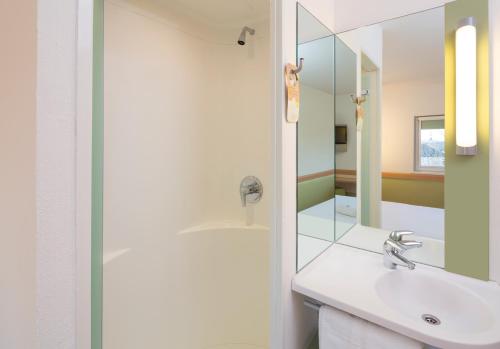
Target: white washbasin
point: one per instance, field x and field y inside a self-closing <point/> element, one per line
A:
<point x="357" y="282"/>
<point x="425" y="297"/>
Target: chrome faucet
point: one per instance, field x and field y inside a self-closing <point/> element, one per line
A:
<point x="395" y="247"/>
<point x="250" y="190"/>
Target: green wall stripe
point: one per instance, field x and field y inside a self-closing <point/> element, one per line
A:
<point x="315" y="191"/>
<point x="467" y="177"/>
<point x="97" y="174"/>
<point x="413" y="192"/>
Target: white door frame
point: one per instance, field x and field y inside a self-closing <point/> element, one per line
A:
<point x="494" y="43"/>
<point x="84" y="74"/>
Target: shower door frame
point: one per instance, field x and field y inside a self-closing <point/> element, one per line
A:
<point x="88" y="162"/>
<point x="89" y="13"/>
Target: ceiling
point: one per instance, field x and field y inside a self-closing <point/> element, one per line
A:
<point x="413" y="47"/>
<point x="224" y="12"/>
<point x="309" y="28"/>
<point x="351" y="14"/>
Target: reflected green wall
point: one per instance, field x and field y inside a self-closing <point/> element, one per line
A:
<point x="413" y="192"/>
<point x="315" y="191"/>
<point x="97" y="174"/>
<point x="467" y="177"/>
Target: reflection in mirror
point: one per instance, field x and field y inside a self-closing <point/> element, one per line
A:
<point x="315" y="139"/>
<point x="400" y="148"/>
<point x="345" y="139"/>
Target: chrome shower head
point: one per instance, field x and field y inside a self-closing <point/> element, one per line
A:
<point x="242" y="39"/>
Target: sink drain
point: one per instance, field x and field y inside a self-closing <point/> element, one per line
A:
<point x="431" y="319"/>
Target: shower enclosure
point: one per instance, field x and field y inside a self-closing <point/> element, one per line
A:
<point x="187" y="116"/>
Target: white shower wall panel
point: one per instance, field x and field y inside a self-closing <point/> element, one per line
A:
<point x="185" y="120"/>
<point x="187" y="116"/>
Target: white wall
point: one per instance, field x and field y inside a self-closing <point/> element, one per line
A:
<point x="17" y="185"/>
<point x="351" y="14"/>
<point x="368" y="41"/>
<point x="316" y="131"/>
<point x="56" y="106"/>
<point x="401" y="102"/>
<point x="154" y="136"/>
<point x="292" y="323"/>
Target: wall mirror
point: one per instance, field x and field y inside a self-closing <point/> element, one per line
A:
<point x="346" y="139"/>
<point x="400" y="156"/>
<point x="315" y="138"/>
<point x="370" y="140"/>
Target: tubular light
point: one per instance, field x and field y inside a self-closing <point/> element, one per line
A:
<point x="465" y="98"/>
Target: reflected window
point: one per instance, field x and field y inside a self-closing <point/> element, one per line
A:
<point x="429" y="143"/>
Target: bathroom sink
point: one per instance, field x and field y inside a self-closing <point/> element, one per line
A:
<point x="434" y="301"/>
<point x="435" y="307"/>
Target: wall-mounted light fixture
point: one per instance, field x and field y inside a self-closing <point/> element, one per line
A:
<point x="466" y="87"/>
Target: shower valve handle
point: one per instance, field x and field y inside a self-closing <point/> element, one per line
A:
<point x="251" y="190"/>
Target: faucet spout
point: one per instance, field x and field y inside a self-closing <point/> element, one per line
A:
<point x="394" y="248"/>
<point x="393" y="259"/>
<point x="243" y="194"/>
<point x="408" y="245"/>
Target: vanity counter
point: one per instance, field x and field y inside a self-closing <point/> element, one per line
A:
<point x="356" y="282"/>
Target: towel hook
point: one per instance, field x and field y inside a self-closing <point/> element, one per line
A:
<point x="299" y="68"/>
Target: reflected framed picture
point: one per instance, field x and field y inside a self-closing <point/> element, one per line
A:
<point x="341" y="138"/>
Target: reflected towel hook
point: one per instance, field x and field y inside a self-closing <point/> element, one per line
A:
<point x="361" y="99"/>
<point x="299" y="68"/>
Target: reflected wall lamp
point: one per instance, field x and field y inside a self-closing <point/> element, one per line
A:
<point x="466" y="87"/>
